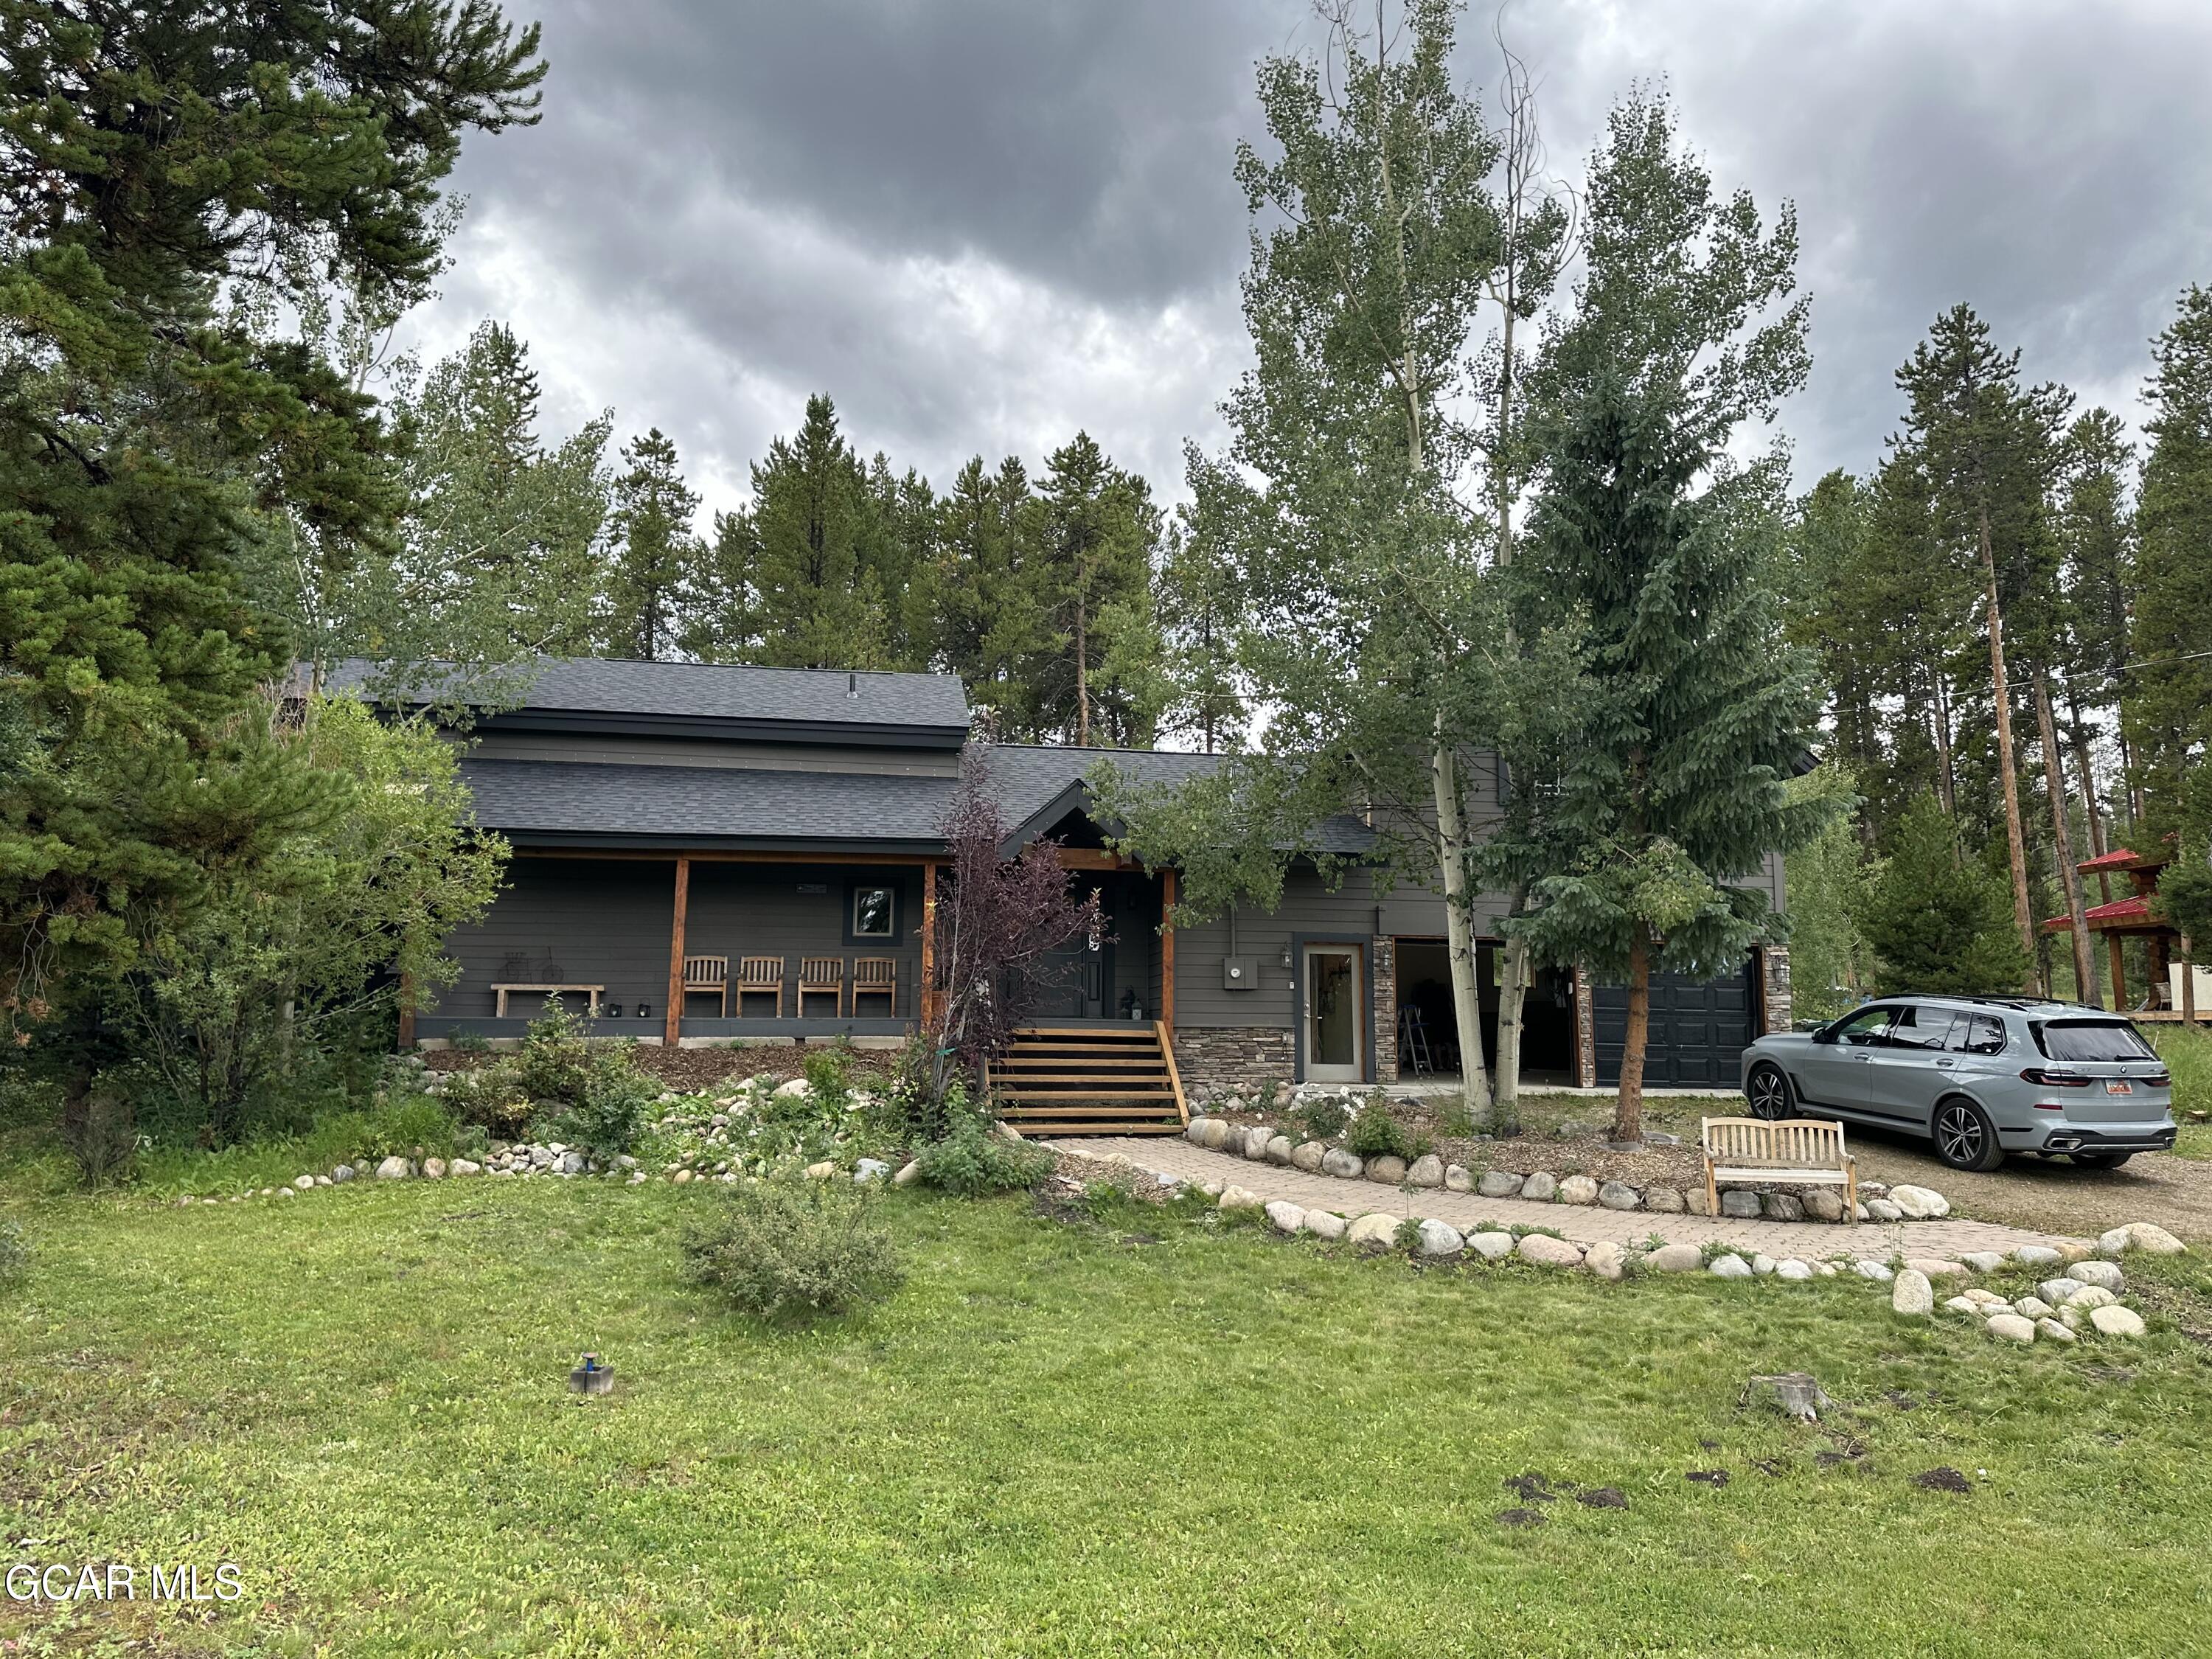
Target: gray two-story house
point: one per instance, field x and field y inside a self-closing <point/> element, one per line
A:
<point x="706" y="853"/>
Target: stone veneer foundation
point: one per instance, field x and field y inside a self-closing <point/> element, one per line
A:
<point x="1240" y="1057"/>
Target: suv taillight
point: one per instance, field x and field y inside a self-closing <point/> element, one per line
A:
<point x="2158" y="1081"/>
<point x="2048" y="1079"/>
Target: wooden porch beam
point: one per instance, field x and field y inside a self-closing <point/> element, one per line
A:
<point x="674" y="1027"/>
<point x="927" y="1002"/>
<point x="1090" y="857"/>
<point x="718" y="855"/>
<point x="1167" y="956"/>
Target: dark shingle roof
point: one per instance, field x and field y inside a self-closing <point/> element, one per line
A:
<point x="727" y="693"/>
<point x="670" y="804"/>
<point x="587" y="801"/>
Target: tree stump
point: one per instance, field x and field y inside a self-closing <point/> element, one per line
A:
<point x="1796" y="1394"/>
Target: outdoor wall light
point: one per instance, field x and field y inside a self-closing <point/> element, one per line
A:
<point x="614" y="1010"/>
<point x="645" y="1010"/>
<point x="1286" y="962"/>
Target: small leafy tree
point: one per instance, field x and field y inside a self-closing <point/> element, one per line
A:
<point x="1939" y="922"/>
<point x="1000" y="926"/>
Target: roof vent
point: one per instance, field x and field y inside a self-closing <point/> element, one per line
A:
<point x="851" y="685"/>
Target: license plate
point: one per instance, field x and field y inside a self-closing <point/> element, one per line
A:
<point x="2119" y="1088"/>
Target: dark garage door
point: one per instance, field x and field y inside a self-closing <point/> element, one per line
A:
<point x="1700" y="1029"/>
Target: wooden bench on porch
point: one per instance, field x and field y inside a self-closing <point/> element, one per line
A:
<point x="1794" y="1152"/>
<point x="501" y="991"/>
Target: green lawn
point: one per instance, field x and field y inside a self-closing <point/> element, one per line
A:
<point x="1057" y="1439"/>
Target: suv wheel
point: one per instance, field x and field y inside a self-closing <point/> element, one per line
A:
<point x="1964" y="1137"/>
<point x="1768" y="1090"/>
<point x="2101" y="1160"/>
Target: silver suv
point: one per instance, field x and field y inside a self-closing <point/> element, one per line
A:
<point x="1979" y="1075"/>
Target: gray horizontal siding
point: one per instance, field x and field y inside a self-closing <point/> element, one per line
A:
<point x="609" y="921"/>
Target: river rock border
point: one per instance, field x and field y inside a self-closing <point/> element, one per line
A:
<point x="1262" y="1143"/>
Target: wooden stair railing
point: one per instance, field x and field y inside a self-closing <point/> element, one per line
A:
<point x="1090" y="1080"/>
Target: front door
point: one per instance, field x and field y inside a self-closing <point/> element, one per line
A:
<point x="1335" y="1034"/>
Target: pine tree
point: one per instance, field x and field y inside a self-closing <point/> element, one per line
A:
<point x="1672" y="561"/>
<point x="655" y="552"/>
<point x="987" y="627"/>
<point x="1938" y="922"/>
<point x="2168" y="686"/>
<point x="177" y="178"/>
<point x="817" y="595"/>
<point x="2096" y="534"/>
<point x="1091" y="584"/>
<point x="1987" y="445"/>
<point x="1201" y="602"/>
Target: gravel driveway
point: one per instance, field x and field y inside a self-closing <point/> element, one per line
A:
<point x="2052" y="1195"/>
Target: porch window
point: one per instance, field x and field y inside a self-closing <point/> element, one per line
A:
<point x="873" y="914"/>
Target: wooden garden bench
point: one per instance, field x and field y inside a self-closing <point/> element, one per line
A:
<point x="1795" y="1152"/>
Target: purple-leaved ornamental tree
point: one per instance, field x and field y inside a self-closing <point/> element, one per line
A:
<point x="1001" y="925"/>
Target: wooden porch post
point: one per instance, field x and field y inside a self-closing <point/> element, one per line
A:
<point x="406" y="1011"/>
<point x="2188" y="984"/>
<point x="927" y="1002"/>
<point x="674" y="1027"/>
<point x="1167" y="954"/>
<point x="2119" y="981"/>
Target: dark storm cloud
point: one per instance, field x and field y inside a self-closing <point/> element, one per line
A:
<point x="981" y="224"/>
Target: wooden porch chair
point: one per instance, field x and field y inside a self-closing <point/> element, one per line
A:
<point x="759" y="976"/>
<point x="822" y="976"/>
<point x="708" y="976"/>
<point x="876" y="976"/>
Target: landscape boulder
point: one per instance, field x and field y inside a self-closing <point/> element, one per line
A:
<point x="1213" y="1134"/>
<point x="2105" y="1275"/>
<point x="1256" y="1143"/>
<point x="1579" y="1189"/>
<point x="1194" y="1131"/>
<point x="797" y="1089"/>
<point x="1742" y="1205"/>
<point x="2011" y="1328"/>
<point x="1426" y="1170"/>
<point x="867" y="1171"/>
<point x="1548" y="1252"/>
<point x="1619" y="1196"/>
<point x="2055" y="1331"/>
<point x="1234" y="1197"/>
<point x="1881" y="1209"/>
<point x="340" y="1174"/>
<point x="1288" y="1218"/>
<point x="1666" y="1200"/>
<point x="1731" y="1265"/>
<point x="1457" y="1179"/>
<point x="303" y="1182"/>
<point x="2144" y="1235"/>
<point x="1279" y="1148"/>
<point x="1869" y="1268"/>
<point x="394" y="1168"/>
<point x="1438" y="1238"/>
<point x="1390" y="1171"/>
<point x="1375" y="1232"/>
<point x="1784" y="1207"/>
<point x="1541" y="1186"/>
<point x="1324" y="1224"/>
<point x="1498" y="1183"/>
<point x="1606" y="1259"/>
<point x="1347" y="1165"/>
<point x="1307" y="1154"/>
<point x="1675" y="1259"/>
<point x="1793" y="1270"/>
<point x="1919" y="1203"/>
<point x="2116" y="1320"/>
<point x="1492" y="1246"/>
<point x="1823" y="1204"/>
<point x="1911" y="1294"/>
<point x="909" y="1172"/>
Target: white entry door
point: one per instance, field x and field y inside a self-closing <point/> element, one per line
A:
<point x="1336" y="1029"/>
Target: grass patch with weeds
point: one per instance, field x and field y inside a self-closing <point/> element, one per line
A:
<point x="1114" y="1427"/>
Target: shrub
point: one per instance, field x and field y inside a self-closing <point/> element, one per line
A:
<point x="612" y="1107"/>
<point x="971" y="1161"/>
<point x="1376" y="1134"/>
<point x="492" y="1098"/>
<point x="14" y="1257"/>
<point x="780" y="1248"/>
<point x="1321" y="1120"/>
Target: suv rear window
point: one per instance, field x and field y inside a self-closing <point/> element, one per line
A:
<point x="2091" y="1040"/>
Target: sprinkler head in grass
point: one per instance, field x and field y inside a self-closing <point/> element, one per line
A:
<point x="592" y="1377"/>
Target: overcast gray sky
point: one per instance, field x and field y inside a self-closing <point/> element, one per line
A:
<point x="980" y="224"/>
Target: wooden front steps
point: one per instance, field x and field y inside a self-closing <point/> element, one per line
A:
<point x="1090" y="1080"/>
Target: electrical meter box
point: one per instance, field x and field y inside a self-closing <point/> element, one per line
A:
<point x="1240" y="973"/>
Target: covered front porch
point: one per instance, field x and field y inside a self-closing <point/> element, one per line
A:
<point x="698" y="947"/>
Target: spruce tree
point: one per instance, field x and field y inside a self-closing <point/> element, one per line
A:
<point x="179" y="176"/>
<point x="1937" y="921"/>
<point x="1091" y="585"/>
<point x="986" y="626"/>
<point x="1671" y="560"/>
<point x="655" y="551"/>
